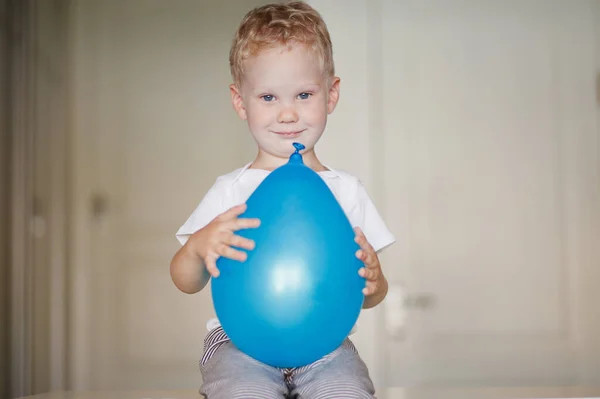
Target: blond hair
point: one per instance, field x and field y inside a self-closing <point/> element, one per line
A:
<point x="279" y="24"/>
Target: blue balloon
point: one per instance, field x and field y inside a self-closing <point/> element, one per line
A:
<point x="298" y="294"/>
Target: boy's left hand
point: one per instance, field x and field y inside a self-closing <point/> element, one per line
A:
<point x="372" y="270"/>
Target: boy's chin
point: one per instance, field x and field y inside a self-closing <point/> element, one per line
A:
<point x="287" y="152"/>
<point x="282" y="147"/>
<point x="285" y="146"/>
<point x="282" y="151"/>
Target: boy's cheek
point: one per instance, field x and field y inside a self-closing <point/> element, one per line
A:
<point x="257" y="119"/>
<point x="255" y="113"/>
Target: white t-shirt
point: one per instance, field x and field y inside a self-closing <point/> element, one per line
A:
<point x="235" y="187"/>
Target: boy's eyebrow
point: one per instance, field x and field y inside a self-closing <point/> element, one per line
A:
<point x="299" y="88"/>
<point x="312" y="85"/>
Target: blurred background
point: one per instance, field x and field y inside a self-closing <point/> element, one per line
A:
<point x="474" y="124"/>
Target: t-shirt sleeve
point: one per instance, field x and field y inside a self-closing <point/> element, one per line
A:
<point x="209" y="207"/>
<point x="366" y="216"/>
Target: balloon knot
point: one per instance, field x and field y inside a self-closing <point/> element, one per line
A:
<point x="299" y="147"/>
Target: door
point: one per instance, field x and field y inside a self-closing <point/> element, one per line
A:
<point x="491" y="141"/>
<point x="153" y="128"/>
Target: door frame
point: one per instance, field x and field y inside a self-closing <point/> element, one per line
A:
<point x="37" y="97"/>
<point x="5" y="358"/>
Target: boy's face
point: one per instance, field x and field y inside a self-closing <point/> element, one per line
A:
<point x="285" y="98"/>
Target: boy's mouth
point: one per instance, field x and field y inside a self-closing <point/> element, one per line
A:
<point x="289" y="134"/>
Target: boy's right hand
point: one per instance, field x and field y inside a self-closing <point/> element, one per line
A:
<point x="217" y="238"/>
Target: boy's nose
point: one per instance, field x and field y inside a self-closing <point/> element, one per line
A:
<point x="287" y="115"/>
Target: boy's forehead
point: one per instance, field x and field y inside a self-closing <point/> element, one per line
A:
<point x="275" y="66"/>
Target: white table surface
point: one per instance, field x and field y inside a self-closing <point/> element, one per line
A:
<point x="394" y="393"/>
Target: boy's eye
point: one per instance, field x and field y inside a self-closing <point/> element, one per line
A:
<point x="268" y="97"/>
<point x="304" y="96"/>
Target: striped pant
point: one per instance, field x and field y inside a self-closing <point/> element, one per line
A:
<point x="228" y="373"/>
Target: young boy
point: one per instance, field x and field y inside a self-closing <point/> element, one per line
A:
<point x="284" y="87"/>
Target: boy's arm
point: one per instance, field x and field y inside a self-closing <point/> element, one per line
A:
<point x="188" y="272"/>
<point x="195" y="262"/>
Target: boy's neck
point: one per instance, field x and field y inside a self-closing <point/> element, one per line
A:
<point x="271" y="162"/>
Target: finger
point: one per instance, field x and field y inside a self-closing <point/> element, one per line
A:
<point x="211" y="265"/>
<point x="362" y="241"/>
<point x="369" y="274"/>
<point x="361" y="254"/>
<point x="358" y="231"/>
<point x="228" y="252"/>
<point x="362" y="272"/>
<point x="243" y="223"/>
<point x="232" y="213"/>
<point x="370" y="288"/>
<point x="235" y="240"/>
<point x="369" y="258"/>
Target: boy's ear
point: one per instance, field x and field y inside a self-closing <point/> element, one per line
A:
<point x="238" y="103"/>
<point x="334" y="94"/>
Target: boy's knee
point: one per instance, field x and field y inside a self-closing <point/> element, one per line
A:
<point x="339" y="386"/>
<point x="247" y="389"/>
<point x="347" y="390"/>
<point x="243" y="388"/>
<point x="342" y="375"/>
